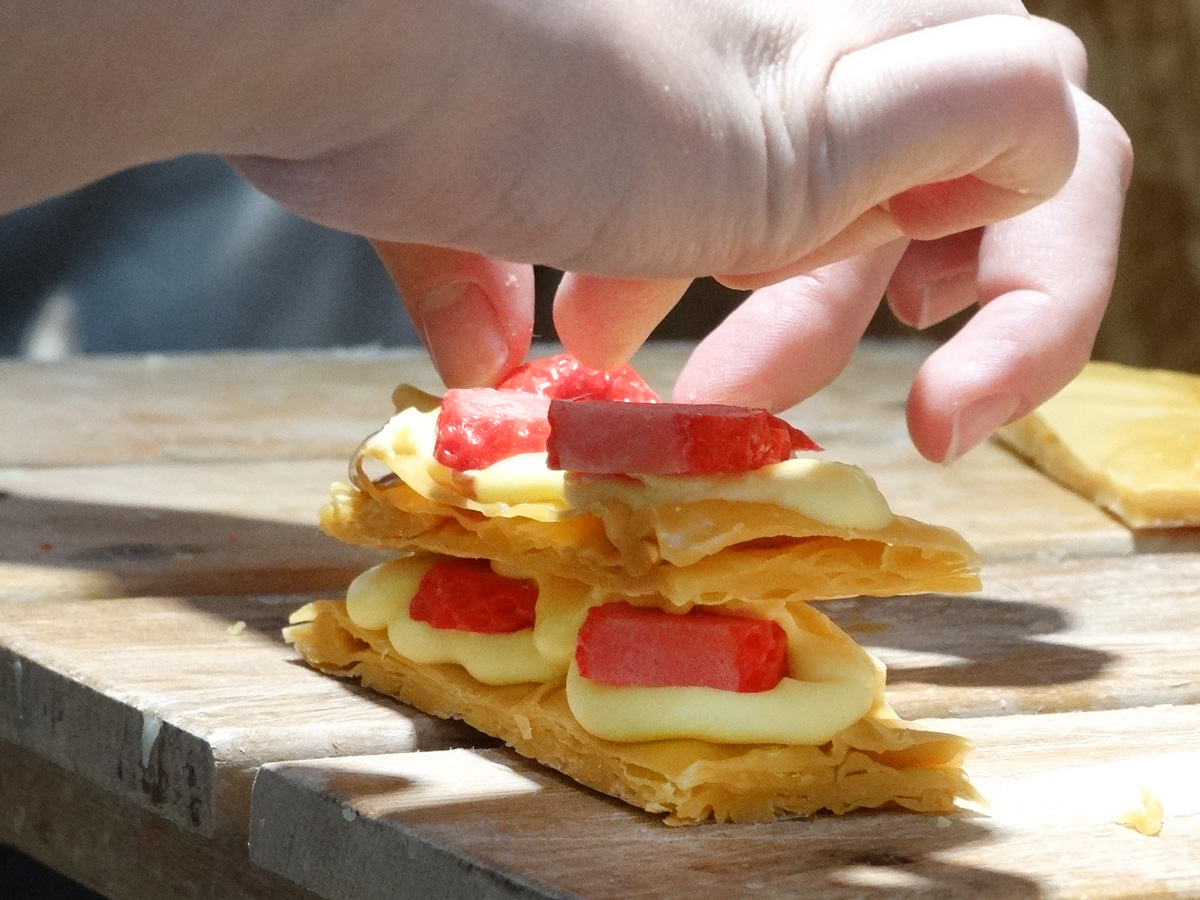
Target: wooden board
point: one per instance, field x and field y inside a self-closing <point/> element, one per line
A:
<point x="90" y="410"/>
<point x="188" y="504"/>
<point x="996" y="501"/>
<point x="1042" y="636"/>
<point x="131" y="726"/>
<point x="251" y="526"/>
<point x="482" y="825"/>
<point x="173" y="703"/>
<point x="1005" y="509"/>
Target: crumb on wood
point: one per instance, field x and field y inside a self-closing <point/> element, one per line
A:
<point x="1146" y="817"/>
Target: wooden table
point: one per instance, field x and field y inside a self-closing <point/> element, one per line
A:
<point x="157" y="737"/>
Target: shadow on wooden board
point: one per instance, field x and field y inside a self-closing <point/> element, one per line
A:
<point x="56" y="549"/>
<point x="985" y="633"/>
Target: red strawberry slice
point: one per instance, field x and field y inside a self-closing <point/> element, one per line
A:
<point x="480" y="426"/>
<point x="605" y="438"/>
<point x="466" y="595"/>
<point x="566" y="378"/>
<point x="648" y="647"/>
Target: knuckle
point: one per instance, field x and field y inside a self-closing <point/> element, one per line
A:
<point x="1070" y="49"/>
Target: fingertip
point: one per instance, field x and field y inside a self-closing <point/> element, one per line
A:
<point x="908" y="305"/>
<point x="944" y="437"/>
<point x="789" y="340"/>
<point x="464" y="337"/>
<point x="603" y="321"/>
<point x="473" y="313"/>
<point x="745" y="282"/>
<point x="1072" y="53"/>
<point x="936" y="279"/>
<point x="1014" y="354"/>
<point x="708" y="377"/>
<point x="941" y="209"/>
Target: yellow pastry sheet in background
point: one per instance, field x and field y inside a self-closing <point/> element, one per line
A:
<point x="1128" y="439"/>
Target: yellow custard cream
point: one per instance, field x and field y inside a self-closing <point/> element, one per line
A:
<point x="831" y="684"/>
<point x="379" y="598"/>
<point x="835" y="493"/>
<point x="832" y="681"/>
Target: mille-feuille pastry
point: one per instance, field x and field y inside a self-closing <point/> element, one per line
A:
<point x="1127" y="439"/>
<point x="649" y="635"/>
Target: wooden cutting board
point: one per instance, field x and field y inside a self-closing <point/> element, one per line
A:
<point x="158" y="522"/>
<point x="172" y="702"/>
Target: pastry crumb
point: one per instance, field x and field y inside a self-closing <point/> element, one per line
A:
<point x="237" y="628"/>
<point x="1145" y="818"/>
<point x="524" y="726"/>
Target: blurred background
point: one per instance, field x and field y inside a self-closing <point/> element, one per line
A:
<point x="182" y="256"/>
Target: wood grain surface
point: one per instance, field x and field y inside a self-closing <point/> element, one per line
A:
<point x="172" y="703"/>
<point x="140" y="500"/>
<point x="158" y="523"/>
<point x="217" y="407"/>
<point x="1042" y="636"/>
<point x="91" y="410"/>
<point x="488" y="824"/>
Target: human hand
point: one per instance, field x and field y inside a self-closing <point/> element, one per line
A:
<point x="940" y="134"/>
<point x="788" y="145"/>
<point x="782" y="144"/>
<point x="1041" y="279"/>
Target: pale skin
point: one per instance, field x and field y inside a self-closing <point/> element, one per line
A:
<point x="822" y="154"/>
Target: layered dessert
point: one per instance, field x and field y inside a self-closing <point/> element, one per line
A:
<point x="628" y="591"/>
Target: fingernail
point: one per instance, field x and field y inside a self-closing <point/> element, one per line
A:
<point x="972" y="424"/>
<point x="925" y="311"/>
<point x="916" y="315"/>
<point x="464" y="339"/>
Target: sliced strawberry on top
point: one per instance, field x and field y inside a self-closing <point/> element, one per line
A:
<point x="566" y="378"/>
<point x="605" y="438"/>
<point x="480" y="426"/>
<point x="466" y="595"/>
<point x="648" y="647"/>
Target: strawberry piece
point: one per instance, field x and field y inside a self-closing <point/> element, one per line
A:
<point x="648" y="647"/>
<point x="605" y="438"/>
<point x="563" y="377"/>
<point x="466" y="595"/>
<point x="480" y="426"/>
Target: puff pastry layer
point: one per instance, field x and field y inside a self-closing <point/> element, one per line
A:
<point x="1127" y="439"/>
<point x="671" y="546"/>
<point x="878" y="761"/>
